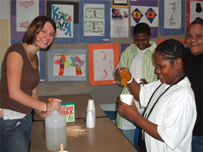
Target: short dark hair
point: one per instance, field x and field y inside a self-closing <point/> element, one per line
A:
<point x="171" y="50"/>
<point x="35" y="27"/>
<point x="198" y="20"/>
<point x="141" y="28"/>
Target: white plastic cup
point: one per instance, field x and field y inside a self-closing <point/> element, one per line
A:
<point x="91" y="106"/>
<point x="90" y="121"/>
<point x="126" y="98"/>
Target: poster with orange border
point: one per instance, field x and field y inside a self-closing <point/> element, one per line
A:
<point x="103" y="59"/>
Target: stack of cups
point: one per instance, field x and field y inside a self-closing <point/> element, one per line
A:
<point x="91" y="114"/>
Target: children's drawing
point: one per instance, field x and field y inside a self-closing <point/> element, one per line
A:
<point x="64" y="18"/>
<point x="147" y="12"/>
<point x="26" y="11"/>
<point x="102" y="60"/>
<point x="23" y="12"/>
<point x="94" y="21"/>
<point x="172" y="17"/>
<point x="68" y="65"/>
<point x="94" y="15"/>
<point x="103" y="64"/>
<point x="194" y="10"/>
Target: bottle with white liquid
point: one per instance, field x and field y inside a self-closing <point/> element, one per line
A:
<point x="55" y="131"/>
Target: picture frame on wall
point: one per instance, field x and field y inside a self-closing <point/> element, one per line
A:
<point x="22" y="14"/>
<point x="120" y="2"/>
<point x="67" y="65"/>
<point x="66" y="16"/>
<point x="94" y="21"/>
<point x="103" y="59"/>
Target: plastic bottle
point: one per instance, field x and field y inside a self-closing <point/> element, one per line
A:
<point x="125" y="76"/>
<point x="55" y="131"/>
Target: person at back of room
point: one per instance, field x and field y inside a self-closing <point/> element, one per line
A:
<point x="18" y="86"/>
<point x="194" y="71"/>
<point x="138" y="59"/>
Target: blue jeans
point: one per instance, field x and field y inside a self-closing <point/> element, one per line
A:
<point x="129" y="135"/>
<point x="15" y="135"/>
<point x="197" y="144"/>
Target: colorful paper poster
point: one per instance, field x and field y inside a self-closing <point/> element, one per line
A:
<point x="66" y="17"/>
<point x="23" y="12"/>
<point x="102" y="60"/>
<point x="194" y="10"/>
<point x="147" y="12"/>
<point x="119" y="23"/>
<point x="67" y="65"/>
<point x="94" y="21"/>
<point x="172" y="17"/>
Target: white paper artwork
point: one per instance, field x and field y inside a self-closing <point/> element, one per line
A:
<point x="172" y="12"/>
<point x="103" y="64"/>
<point x="26" y="11"/>
<point x="196" y="10"/>
<point x="119" y="24"/>
<point x="64" y="17"/>
<point x="94" y="19"/>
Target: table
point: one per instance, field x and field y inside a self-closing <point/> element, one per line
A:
<point x="80" y="100"/>
<point x="105" y="137"/>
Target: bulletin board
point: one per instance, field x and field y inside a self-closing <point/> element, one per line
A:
<point x="103" y="59"/>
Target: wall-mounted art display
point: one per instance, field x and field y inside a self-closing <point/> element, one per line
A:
<point x="119" y="22"/>
<point x="94" y="21"/>
<point x="67" y="65"/>
<point x="145" y="11"/>
<point x="194" y="10"/>
<point x="172" y="17"/>
<point x="66" y="16"/>
<point x="103" y="58"/>
<point x="22" y="14"/>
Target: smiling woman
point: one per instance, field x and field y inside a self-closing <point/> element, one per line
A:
<point x="18" y="93"/>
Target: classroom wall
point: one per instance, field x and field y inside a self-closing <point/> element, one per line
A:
<point x="101" y="93"/>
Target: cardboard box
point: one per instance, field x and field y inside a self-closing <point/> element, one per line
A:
<point x="68" y="108"/>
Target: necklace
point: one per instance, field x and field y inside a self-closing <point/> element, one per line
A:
<point x="30" y="54"/>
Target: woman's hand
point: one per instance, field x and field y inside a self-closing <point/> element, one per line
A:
<point x="54" y="104"/>
<point x="42" y="114"/>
